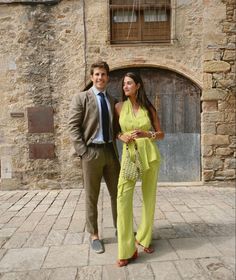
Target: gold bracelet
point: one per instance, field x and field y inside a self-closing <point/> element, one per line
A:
<point x="152" y="134"/>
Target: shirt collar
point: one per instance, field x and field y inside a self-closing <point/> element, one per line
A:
<point x="96" y="91"/>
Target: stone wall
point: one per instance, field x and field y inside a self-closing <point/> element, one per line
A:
<point x="45" y="54"/>
<point x="219" y="91"/>
<point x="42" y="68"/>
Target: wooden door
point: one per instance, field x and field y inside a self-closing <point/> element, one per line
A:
<point x="177" y="101"/>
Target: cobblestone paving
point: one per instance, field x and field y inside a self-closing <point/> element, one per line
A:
<point x="42" y="236"/>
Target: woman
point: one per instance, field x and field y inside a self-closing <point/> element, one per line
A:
<point x="140" y="127"/>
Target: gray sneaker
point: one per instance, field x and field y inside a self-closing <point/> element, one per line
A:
<point x="97" y="246"/>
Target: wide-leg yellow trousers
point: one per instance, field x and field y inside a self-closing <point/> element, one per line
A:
<point x="126" y="238"/>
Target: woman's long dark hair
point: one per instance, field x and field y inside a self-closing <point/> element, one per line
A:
<point x="142" y="98"/>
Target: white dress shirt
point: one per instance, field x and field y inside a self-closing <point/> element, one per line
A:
<point x="98" y="139"/>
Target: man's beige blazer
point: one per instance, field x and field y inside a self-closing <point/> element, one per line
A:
<point x="84" y="119"/>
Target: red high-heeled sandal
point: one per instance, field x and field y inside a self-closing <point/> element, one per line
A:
<point x="148" y="250"/>
<point x="124" y="262"/>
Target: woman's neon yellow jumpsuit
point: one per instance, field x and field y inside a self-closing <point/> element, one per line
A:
<point x="150" y="157"/>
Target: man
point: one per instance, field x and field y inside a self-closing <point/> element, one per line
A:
<point x="91" y="130"/>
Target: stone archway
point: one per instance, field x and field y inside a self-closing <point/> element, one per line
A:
<point x="177" y="100"/>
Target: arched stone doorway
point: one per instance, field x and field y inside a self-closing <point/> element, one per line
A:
<point x="177" y="100"/>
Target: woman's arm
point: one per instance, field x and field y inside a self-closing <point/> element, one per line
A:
<point x="122" y="137"/>
<point x="156" y="134"/>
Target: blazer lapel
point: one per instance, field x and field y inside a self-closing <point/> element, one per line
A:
<point x="111" y="102"/>
<point x="93" y="102"/>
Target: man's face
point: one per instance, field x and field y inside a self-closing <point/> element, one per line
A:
<point x="100" y="78"/>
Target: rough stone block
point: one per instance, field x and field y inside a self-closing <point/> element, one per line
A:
<point x="209" y="55"/>
<point x="224" y="151"/>
<point x="226" y="106"/>
<point x="208" y="128"/>
<point x="230" y="163"/>
<point x="210" y="139"/>
<point x="226" y="174"/>
<point x="207" y="81"/>
<point x="209" y="106"/>
<point x="216" y="66"/>
<point x="207" y="151"/>
<point x="227" y="83"/>
<point x="212" y="163"/>
<point x="213" y="116"/>
<point x="226" y="129"/>
<point x="232" y="142"/>
<point x="213" y="94"/>
<point x="230" y="117"/>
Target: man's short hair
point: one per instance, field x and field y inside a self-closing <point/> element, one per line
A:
<point x="99" y="64"/>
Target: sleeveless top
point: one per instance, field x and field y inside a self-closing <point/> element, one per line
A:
<point x="128" y="122"/>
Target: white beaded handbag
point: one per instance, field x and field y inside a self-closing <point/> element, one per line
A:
<point x="132" y="170"/>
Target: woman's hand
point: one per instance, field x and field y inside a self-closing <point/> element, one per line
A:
<point x="126" y="138"/>
<point x="138" y="133"/>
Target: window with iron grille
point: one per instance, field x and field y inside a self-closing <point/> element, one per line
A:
<point x="134" y="21"/>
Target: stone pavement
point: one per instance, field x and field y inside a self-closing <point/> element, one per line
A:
<point x="42" y="236"/>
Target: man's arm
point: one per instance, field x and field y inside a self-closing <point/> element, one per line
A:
<point x="76" y="115"/>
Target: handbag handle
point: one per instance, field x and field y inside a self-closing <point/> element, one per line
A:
<point x="135" y="146"/>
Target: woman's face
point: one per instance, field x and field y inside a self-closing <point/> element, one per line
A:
<point x="129" y="87"/>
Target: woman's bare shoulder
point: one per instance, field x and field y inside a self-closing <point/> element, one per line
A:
<point x="118" y="106"/>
